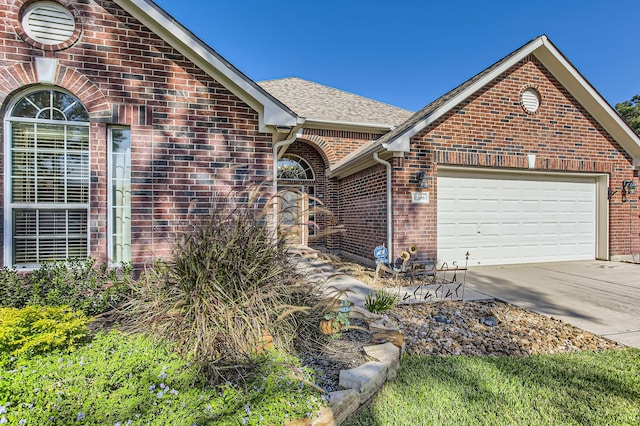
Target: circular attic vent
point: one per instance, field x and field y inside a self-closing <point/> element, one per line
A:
<point x="530" y="100"/>
<point x="48" y="22"/>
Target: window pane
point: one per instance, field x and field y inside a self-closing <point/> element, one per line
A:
<point x="49" y="164"/>
<point x="120" y="211"/>
<point x="294" y="167"/>
<point x="24" y="108"/>
<point x="22" y="135"/>
<point x="41" y="235"/>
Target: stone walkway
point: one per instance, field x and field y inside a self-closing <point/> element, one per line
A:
<point x="318" y="270"/>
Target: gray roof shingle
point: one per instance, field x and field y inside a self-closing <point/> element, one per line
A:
<point x="318" y="102"/>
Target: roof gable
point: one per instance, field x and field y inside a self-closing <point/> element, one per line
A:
<point x="550" y="57"/>
<point x="271" y="111"/>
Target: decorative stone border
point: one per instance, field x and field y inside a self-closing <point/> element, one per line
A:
<point x="361" y="383"/>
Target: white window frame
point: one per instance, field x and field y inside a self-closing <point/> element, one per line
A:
<point x="9" y="206"/>
<point x="111" y="217"/>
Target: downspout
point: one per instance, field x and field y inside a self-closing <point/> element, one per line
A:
<point x="389" y="206"/>
<point x="276" y="154"/>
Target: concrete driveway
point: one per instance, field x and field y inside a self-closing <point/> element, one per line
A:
<point x="600" y="297"/>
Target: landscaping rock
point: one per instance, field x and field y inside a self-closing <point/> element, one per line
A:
<point x="394" y="337"/>
<point x="326" y="417"/>
<point x="382" y="325"/>
<point x="516" y="330"/>
<point x="361" y="313"/>
<point x="343" y="403"/>
<point x="442" y="319"/>
<point x="489" y="322"/>
<point x="365" y="379"/>
<point x="388" y="354"/>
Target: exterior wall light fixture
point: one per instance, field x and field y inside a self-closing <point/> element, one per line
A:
<point x="628" y="187"/>
<point x="422" y="178"/>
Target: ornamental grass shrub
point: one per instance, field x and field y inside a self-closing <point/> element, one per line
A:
<point x="35" y="330"/>
<point x="229" y="286"/>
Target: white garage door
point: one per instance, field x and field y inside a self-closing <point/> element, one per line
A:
<point x="515" y="218"/>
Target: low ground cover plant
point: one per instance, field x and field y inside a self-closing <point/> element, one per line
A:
<point x="120" y="379"/>
<point x="35" y="330"/>
<point x="577" y="388"/>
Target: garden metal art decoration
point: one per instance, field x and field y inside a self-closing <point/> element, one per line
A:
<point x="427" y="280"/>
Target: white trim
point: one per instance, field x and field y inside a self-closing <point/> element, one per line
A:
<point x="270" y="110"/>
<point x="8" y="206"/>
<point x="110" y="216"/>
<point x="301" y="161"/>
<point x="405" y="137"/>
<point x="551" y="58"/>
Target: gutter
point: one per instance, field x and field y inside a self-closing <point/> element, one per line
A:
<point x="389" y="206"/>
<point x="277" y="148"/>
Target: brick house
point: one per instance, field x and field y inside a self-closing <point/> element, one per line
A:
<point x="119" y="122"/>
<point x="524" y="162"/>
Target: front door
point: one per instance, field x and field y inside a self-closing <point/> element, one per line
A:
<point x="290" y="221"/>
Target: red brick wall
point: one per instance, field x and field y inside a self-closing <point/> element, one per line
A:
<point x="337" y="144"/>
<point x="363" y="211"/>
<point x="192" y="139"/>
<point x="490" y="129"/>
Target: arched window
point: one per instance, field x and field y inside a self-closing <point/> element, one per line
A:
<point x="293" y="167"/>
<point x="47" y="187"/>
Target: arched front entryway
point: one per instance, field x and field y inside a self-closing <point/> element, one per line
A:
<point x="301" y="191"/>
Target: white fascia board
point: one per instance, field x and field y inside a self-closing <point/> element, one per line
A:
<point x="405" y="138"/>
<point x="271" y="112"/>
<point x="589" y="98"/>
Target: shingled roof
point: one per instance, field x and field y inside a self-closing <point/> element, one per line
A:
<point x="320" y="103"/>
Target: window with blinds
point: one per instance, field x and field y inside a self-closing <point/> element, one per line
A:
<point x="48" y="182"/>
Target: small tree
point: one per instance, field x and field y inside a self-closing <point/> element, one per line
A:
<point x="630" y="112"/>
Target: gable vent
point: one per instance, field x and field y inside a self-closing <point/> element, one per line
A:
<point x="48" y="23"/>
<point x="530" y="100"/>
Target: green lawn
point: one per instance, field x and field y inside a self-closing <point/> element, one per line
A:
<point x="131" y="380"/>
<point x="580" y="388"/>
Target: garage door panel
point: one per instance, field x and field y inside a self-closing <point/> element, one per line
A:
<point x="504" y="219"/>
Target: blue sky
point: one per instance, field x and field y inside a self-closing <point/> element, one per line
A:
<point x="409" y="52"/>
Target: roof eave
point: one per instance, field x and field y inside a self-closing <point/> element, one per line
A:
<point x="363" y="162"/>
<point x="568" y="76"/>
<point x="319" y="123"/>
<point x="589" y="98"/>
<point x="272" y="113"/>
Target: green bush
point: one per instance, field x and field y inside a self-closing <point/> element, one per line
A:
<point x="380" y="301"/>
<point x="80" y="284"/>
<point x="39" y="329"/>
<point x="15" y="290"/>
<point x="120" y="379"/>
<point x="224" y="289"/>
